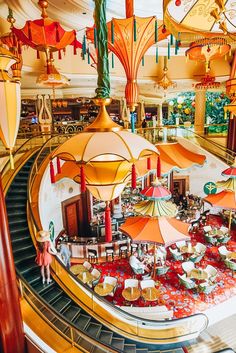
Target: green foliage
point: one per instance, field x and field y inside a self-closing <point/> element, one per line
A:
<point x="183" y="107"/>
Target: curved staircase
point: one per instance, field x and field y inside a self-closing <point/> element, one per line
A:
<point x="63" y="312"/>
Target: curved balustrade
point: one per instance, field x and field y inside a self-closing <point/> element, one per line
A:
<point x="161" y="332"/>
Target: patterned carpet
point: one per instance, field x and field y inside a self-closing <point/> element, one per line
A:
<point x="184" y="302"/>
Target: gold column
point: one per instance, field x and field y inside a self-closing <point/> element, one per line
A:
<point x="200" y="110"/>
<point x="159" y="115"/>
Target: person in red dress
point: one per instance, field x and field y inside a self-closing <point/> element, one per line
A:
<point x="44" y="254"/>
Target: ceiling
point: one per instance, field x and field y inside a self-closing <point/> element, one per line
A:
<point x="78" y="14"/>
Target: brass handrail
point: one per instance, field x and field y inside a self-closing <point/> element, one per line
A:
<point x="32" y="299"/>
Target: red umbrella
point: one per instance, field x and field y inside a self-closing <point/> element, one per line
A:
<point x="45" y="34"/>
<point x="231" y="172"/>
<point x="156" y="192"/>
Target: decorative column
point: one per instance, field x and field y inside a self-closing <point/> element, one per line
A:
<point x="159" y="115"/>
<point x="44" y="112"/>
<point x="11" y="326"/>
<point x="231" y="92"/>
<point x="200" y="110"/>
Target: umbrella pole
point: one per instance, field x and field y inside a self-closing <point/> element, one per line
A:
<point x="155" y="263"/>
<point x="230" y="220"/>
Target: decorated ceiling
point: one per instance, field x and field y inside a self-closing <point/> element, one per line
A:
<point x="187" y="20"/>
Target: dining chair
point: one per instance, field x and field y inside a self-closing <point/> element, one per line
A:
<point x="112" y="281"/>
<point x="188" y="266"/>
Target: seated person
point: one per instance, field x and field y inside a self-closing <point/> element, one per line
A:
<point x="137" y="265"/>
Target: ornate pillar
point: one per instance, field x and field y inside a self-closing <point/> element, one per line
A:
<point x="200" y="110"/>
<point x="231" y="92"/>
<point x="11" y="326"/>
<point x="44" y="112"/>
<point x="159" y="115"/>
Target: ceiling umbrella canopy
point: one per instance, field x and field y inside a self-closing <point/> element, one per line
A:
<point x="230" y="172"/>
<point x="45" y="34"/>
<point x="129" y="39"/>
<point x="156" y="192"/>
<point x="10" y="102"/>
<point x="224" y="199"/>
<point x="101" y="146"/>
<point x="106" y="192"/>
<point x="15" y="48"/>
<point x="229" y="184"/>
<point x="52" y="78"/>
<point x="158" y="208"/>
<point x="208" y="49"/>
<point x="173" y="156"/>
<point x="199" y="17"/>
<point x="162" y="230"/>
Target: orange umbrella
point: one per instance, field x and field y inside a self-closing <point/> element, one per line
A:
<point x="223" y="199"/>
<point x="161" y="230"/>
<point x="173" y="156"/>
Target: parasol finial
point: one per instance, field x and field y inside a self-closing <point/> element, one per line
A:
<point x="10" y="17"/>
<point x="156" y="182"/>
<point x="43" y="4"/>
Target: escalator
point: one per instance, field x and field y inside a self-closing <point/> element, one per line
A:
<point x="61" y="305"/>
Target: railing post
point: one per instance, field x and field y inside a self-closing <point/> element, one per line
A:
<point x="72" y="336"/>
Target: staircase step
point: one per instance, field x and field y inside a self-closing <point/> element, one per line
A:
<point x="21" y="198"/>
<point x="141" y="350"/>
<point x="33" y="275"/>
<point x="20" y="238"/>
<point x="20" y="246"/>
<point x="71" y="312"/>
<point x="52" y="294"/>
<point x="82" y="321"/>
<point x="130" y="348"/>
<point x="39" y="287"/>
<point x="98" y="350"/>
<point x="106" y="337"/>
<point x="93" y="329"/>
<point x="23" y="268"/>
<point x="61" y="303"/>
<point x="17" y="213"/>
<point x="17" y="190"/>
<point x="88" y="347"/>
<point x="118" y="343"/>
<point x="17" y="221"/>
<point x="63" y="327"/>
<point x="26" y="256"/>
<point x="15" y="206"/>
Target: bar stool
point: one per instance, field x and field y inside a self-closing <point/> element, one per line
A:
<point x="109" y="253"/>
<point x="92" y="255"/>
<point x="123" y="251"/>
<point x="134" y="247"/>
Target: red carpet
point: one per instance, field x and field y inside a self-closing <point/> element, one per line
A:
<point x="183" y="302"/>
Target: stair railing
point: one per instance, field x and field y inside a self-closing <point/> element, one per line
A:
<point x="50" y="315"/>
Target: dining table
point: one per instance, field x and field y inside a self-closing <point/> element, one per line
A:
<point x="131" y="293"/>
<point x="103" y="289"/>
<point x="199" y="274"/>
<point x="78" y="269"/>
<point x="150" y="294"/>
<point x="85" y="277"/>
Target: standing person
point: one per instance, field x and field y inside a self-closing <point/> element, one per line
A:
<point x="34" y="118"/>
<point x="44" y="254"/>
<point x="144" y="123"/>
<point x="65" y="255"/>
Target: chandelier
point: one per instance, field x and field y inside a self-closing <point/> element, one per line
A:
<point x="52" y="78"/>
<point x="207" y="49"/>
<point x="165" y="82"/>
<point x="224" y="18"/>
<point x="207" y="82"/>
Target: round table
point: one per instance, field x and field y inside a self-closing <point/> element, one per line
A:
<point x="198" y="274"/>
<point x="131" y="293"/>
<point x="232" y="255"/>
<point x="77" y="269"/>
<point x="150" y="294"/>
<point x="216" y="233"/>
<point x="103" y="289"/>
<point x="85" y="277"/>
<point x="187" y="249"/>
